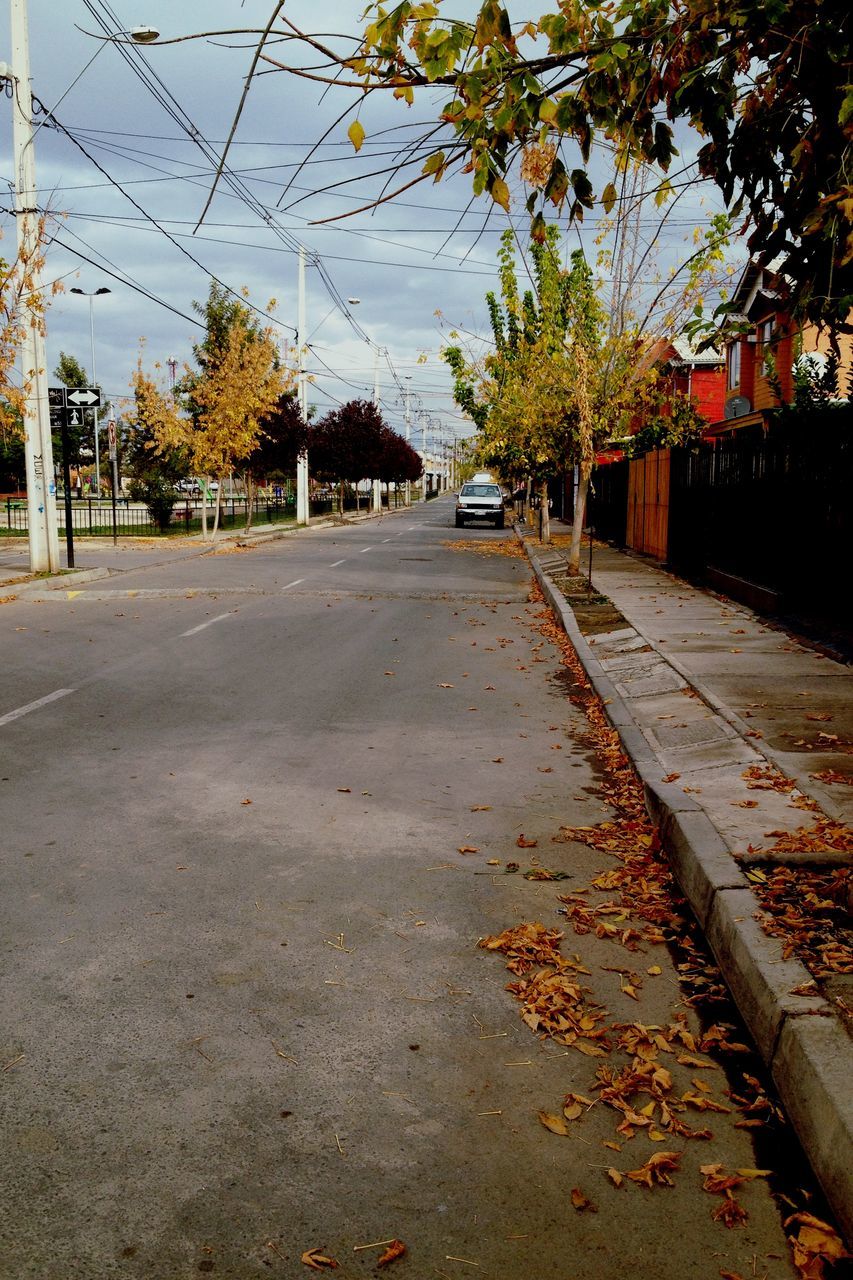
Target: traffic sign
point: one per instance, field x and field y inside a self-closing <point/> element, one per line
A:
<point x="90" y="397"/>
<point x="56" y="397"/>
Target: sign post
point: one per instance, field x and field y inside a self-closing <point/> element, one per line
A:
<point x="111" y="437"/>
<point x="66" y="485"/>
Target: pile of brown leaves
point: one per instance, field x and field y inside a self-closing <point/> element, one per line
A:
<point x="807" y="910"/>
<point x="510" y="547"/>
<point x="553" y="1003"/>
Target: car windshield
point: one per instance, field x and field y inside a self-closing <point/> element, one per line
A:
<point x="481" y="491"/>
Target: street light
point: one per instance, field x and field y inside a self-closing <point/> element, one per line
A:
<point x="94" y="294"/>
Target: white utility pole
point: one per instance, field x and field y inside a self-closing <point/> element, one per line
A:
<point x="377" y="484"/>
<point x="41" y="487"/>
<point x="302" y="512"/>
<point x="408" y="437"/>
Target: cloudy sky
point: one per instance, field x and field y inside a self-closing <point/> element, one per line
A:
<point x="130" y="178"/>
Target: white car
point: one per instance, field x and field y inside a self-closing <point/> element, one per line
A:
<point x="480" y="502"/>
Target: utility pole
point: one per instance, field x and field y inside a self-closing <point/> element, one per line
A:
<point x="377" y="484"/>
<point x="38" y="446"/>
<point x="302" y="512"/>
<point x="408" y="437"/>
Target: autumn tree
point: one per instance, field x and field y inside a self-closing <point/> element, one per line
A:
<point x="237" y="383"/>
<point x="283" y="437"/>
<point x="347" y="444"/>
<point x="22" y="305"/>
<point x="556" y="383"/>
<point x="398" y="461"/>
<point x="156" y="456"/>
<point x="765" y="87"/>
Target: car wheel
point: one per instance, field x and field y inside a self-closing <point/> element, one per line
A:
<point x="459" y="522"/>
<point x="499" y="523"/>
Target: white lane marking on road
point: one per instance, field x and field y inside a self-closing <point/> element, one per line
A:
<point x="386" y="539"/>
<point x="34" y="706"/>
<point x="363" y="549"/>
<point x="201" y="626"/>
<point x="337" y="562"/>
<point x="294" y="583"/>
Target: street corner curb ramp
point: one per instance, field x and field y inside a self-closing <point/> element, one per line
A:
<point x="804" y="1044"/>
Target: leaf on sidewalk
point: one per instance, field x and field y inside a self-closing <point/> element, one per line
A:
<point x="657" y="1169"/>
<point x="554" y="1123"/>
<point x="395" y="1250"/>
<point x="815" y="1242"/>
<point x="581" y="1202"/>
<point x="524" y="843"/>
<point x="318" y="1261"/>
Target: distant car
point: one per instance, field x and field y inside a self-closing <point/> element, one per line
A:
<point x="480" y="502"/>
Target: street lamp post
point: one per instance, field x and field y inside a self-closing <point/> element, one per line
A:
<point x="91" y="296"/>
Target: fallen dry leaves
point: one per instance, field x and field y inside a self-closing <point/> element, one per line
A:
<point x="657" y="1169"/>
<point x="318" y="1261"/>
<point x="814" y="1244"/>
<point x="395" y="1250"/>
<point x="808" y="911"/>
<point x="636" y="904"/>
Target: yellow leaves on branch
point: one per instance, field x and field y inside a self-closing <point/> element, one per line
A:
<point x="236" y="392"/>
<point x="155" y="412"/>
<point x="22" y="305"/>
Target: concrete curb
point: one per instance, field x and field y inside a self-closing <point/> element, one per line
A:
<point x="69" y="580"/>
<point x="808" y="1051"/>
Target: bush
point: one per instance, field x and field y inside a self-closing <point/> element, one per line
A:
<point x="159" y="496"/>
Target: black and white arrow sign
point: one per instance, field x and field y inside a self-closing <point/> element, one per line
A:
<point x="89" y="396"/>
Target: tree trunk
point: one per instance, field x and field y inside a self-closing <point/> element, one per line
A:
<point x="216" y="511"/>
<point x="544" y="514"/>
<point x="250" y="495"/>
<point x="584" y="472"/>
<point x="204" y="509"/>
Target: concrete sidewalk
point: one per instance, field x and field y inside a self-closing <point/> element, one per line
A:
<point x="738" y="731"/>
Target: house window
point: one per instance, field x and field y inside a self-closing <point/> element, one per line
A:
<point x="765" y="339"/>
<point x="734" y="365"/>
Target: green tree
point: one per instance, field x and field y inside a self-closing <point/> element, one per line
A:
<point x="80" y="435"/>
<point x="557" y="383"/>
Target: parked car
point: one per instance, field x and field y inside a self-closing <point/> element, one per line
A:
<point x="480" y="502"/>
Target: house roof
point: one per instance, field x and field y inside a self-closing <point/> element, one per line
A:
<point x="687" y="353"/>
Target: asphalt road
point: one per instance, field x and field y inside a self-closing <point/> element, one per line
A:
<point x="242" y="1009"/>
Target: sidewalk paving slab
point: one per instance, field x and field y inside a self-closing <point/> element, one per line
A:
<point x="695" y="717"/>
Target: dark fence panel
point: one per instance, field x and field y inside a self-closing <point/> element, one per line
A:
<point x="608" y="502"/>
<point x="774" y="510"/>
